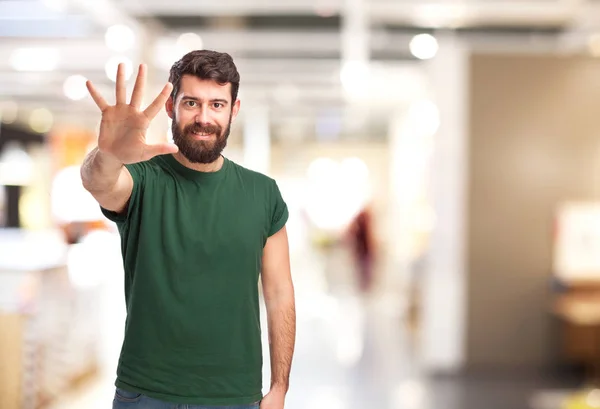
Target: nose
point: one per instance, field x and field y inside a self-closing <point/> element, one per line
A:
<point x="202" y="116"/>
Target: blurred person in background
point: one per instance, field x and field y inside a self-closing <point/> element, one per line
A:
<point x="360" y="236"/>
<point x="197" y="230"/>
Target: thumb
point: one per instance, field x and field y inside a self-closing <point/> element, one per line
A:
<point x="153" y="150"/>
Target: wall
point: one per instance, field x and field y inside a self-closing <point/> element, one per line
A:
<point x="534" y="142"/>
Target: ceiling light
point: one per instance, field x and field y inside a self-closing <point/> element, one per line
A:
<point x="354" y="76"/>
<point x="16" y="165"/>
<point x="189" y="42"/>
<point x="113" y="63"/>
<point x="119" y="38"/>
<point x="74" y="87"/>
<point x="424" y="46"/>
<point x="41" y="120"/>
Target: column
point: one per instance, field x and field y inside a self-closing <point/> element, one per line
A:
<point x="355" y="32"/>
<point x="443" y="333"/>
<point x="355" y="48"/>
<point x="257" y="139"/>
<point x="160" y="125"/>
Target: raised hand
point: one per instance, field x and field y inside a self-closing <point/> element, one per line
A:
<point x="124" y="126"/>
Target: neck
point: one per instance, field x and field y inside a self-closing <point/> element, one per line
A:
<point x="200" y="167"/>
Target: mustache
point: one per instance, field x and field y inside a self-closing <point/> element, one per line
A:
<point x="199" y="128"/>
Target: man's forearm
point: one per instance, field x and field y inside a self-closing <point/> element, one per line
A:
<point x="100" y="171"/>
<point x="281" y="313"/>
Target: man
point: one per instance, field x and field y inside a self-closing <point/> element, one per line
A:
<point x="196" y="230"/>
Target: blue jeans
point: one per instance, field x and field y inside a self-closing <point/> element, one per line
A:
<point x="133" y="400"/>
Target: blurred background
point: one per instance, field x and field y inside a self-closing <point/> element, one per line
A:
<point x="440" y="160"/>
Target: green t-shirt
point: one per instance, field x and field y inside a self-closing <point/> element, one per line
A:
<point x="192" y="246"/>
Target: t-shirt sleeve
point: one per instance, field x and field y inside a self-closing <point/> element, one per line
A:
<point x="279" y="213"/>
<point x="137" y="171"/>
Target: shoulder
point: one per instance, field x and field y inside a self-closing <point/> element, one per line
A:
<point x="152" y="168"/>
<point x="251" y="176"/>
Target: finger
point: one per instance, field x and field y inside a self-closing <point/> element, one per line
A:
<point x="100" y="102"/>
<point x="156" y="105"/>
<point x="153" y="150"/>
<point x="121" y="92"/>
<point x="138" y="88"/>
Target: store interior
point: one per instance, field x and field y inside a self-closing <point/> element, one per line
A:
<point x="462" y="138"/>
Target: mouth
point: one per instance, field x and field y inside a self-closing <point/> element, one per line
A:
<point x="202" y="135"/>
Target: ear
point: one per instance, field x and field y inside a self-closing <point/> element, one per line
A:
<point x="236" y="109"/>
<point x="169" y="107"/>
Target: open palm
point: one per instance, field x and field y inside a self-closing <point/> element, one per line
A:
<point x="124" y="126"/>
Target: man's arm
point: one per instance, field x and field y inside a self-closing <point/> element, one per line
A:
<point x="122" y="139"/>
<point x="107" y="180"/>
<point x="278" y="292"/>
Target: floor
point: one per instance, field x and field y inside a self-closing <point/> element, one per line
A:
<point x="352" y="352"/>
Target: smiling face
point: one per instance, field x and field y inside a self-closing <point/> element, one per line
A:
<point x="202" y="112"/>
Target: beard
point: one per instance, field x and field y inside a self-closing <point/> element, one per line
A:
<point x="200" y="151"/>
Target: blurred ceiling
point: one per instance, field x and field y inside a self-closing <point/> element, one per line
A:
<point x="290" y="53"/>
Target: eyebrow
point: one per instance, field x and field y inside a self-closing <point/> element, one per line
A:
<point x="191" y="98"/>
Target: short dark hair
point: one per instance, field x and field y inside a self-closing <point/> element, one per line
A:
<point x="206" y="64"/>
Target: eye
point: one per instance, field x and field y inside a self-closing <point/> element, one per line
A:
<point x="217" y="105"/>
<point x="190" y="104"/>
